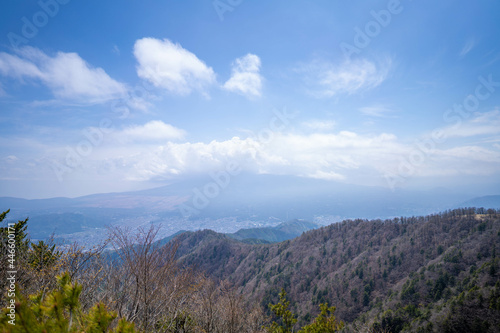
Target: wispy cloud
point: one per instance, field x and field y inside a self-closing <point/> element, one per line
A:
<point x="327" y="175"/>
<point x="469" y="45"/>
<point x="11" y="159"/>
<point x="376" y="111"/>
<point x="486" y="123"/>
<point x="67" y="75"/>
<point x="245" y="78"/>
<point x="155" y="130"/>
<point x="325" y="79"/>
<point x="171" y="67"/>
<point x="116" y="50"/>
<point x="462" y="160"/>
<point x="319" y="125"/>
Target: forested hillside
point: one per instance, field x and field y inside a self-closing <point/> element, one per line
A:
<point x="438" y="273"/>
<point x="433" y="273"/>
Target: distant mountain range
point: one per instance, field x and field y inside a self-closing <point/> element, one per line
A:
<point x="228" y="205"/>
<point x="265" y="235"/>
<point x="283" y="231"/>
<point x="489" y="201"/>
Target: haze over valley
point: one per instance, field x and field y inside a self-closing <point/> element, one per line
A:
<point x="246" y="201"/>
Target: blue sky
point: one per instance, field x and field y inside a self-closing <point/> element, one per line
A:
<point x="121" y="95"/>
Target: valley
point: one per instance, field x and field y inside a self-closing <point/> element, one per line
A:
<point x="249" y="201"/>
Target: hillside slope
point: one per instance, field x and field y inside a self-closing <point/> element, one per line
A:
<point x="434" y="273"/>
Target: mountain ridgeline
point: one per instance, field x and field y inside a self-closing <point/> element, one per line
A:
<point x="248" y="201"/>
<point x="436" y="273"/>
<point x="283" y="231"/>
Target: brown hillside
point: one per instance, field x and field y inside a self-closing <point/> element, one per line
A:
<point x="415" y="267"/>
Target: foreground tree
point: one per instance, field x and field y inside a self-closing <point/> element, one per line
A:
<point x="145" y="284"/>
<point x="285" y="318"/>
<point x="218" y="308"/>
<point x="325" y="322"/>
<point x="60" y="311"/>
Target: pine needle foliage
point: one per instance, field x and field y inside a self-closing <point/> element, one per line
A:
<point x="60" y="312"/>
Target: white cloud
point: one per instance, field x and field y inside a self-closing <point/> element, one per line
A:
<point x="342" y="156"/>
<point x="171" y="67"/>
<point x="245" y="78"/>
<point x="66" y="74"/>
<point x="487" y="123"/>
<point x="469" y="45"/>
<point x="375" y="111"/>
<point x="319" y="125"/>
<point x="18" y="68"/>
<point x="327" y="175"/>
<point x="116" y="49"/>
<point x="11" y="159"/>
<point x="461" y="160"/>
<point x="326" y="156"/>
<point x="155" y="130"/>
<point x="150" y="152"/>
<point x="325" y="79"/>
<point x="471" y="153"/>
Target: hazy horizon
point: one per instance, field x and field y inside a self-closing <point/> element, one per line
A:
<point x="468" y="191"/>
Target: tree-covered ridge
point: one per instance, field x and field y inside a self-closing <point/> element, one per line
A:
<point x="399" y="273"/>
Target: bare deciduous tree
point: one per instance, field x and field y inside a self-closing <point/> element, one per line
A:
<point x="148" y="286"/>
